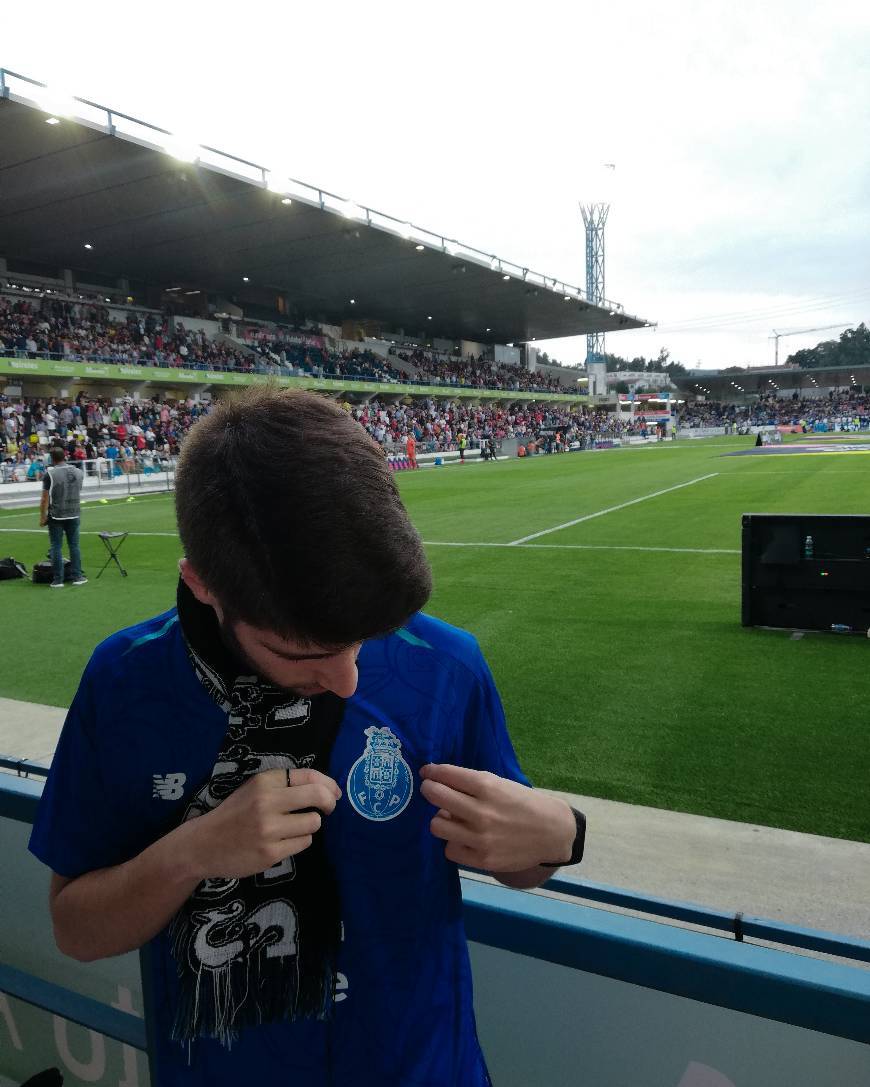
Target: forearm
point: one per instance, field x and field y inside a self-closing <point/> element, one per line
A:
<point x="43" y="504"/>
<point x="114" y="910"/>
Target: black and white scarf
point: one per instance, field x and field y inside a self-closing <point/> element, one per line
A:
<point x="262" y="948"/>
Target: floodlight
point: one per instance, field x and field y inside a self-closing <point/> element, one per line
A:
<point x="181" y="149"/>
<point x="56" y="103"/>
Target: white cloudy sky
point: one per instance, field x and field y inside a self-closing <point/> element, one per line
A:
<point x="740" y="134"/>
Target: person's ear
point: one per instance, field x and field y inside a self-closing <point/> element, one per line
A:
<point x="195" y="583"/>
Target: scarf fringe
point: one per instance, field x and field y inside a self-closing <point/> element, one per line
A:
<point x="247" y="992"/>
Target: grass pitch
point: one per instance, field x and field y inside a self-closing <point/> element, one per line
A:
<point x="615" y="640"/>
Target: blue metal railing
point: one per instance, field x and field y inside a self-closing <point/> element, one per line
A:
<point x="84" y="1010"/>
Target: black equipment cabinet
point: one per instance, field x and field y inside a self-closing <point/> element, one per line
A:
<point x="806" y="571"/>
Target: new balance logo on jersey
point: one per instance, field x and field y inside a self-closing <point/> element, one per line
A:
<point x="169" y="786"/>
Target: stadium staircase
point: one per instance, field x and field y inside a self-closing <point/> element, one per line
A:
<point x="244" y="348"/>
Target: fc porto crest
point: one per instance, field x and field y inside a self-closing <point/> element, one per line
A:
<point x="380" y="782"/>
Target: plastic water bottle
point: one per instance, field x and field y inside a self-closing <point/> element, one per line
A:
<point x="808" y="547"/>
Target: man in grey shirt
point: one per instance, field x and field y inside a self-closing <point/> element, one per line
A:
<point x="60" y="509"/>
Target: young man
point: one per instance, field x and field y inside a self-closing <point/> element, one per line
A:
<point x="60" y="509"/>
<point x="275" y="781"/>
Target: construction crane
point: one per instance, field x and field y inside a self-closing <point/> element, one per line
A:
<point x="777" y="336"/>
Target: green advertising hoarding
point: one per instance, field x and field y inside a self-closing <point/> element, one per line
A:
<point x="125" y="374"/>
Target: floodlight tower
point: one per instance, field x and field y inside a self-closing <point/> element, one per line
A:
<point x="594" y="218"/>
<point x="600" y="181"/>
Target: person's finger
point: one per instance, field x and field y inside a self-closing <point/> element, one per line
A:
<point x="458" y="804"/>
<point x="449" y="830"/>
<point x="470" y="782"/>
<point x="461" y="854"/>
<point x="312" y="777"/>
<point x="302" y="797"/>
<point x="299" y="824"/>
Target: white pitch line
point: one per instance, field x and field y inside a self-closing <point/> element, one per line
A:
<point x="590" y="547"/>
<point x="610" y="509"/>
<point x="90" y="532"/>
<point x="450" y="543"/>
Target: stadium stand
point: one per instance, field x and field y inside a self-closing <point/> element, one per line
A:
<point x="836" y="410"/>
<point x="118" y="436"/>
<point x="477" y="373"/>
<point x="59" y="328"/>
<point x="37" y="326"/>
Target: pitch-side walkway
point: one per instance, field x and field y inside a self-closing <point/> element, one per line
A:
<point x="800" y="879"/>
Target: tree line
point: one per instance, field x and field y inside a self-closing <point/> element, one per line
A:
<point x="851" y="349"/>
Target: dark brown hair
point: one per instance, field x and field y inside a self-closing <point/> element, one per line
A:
<point x="289" y="513"/>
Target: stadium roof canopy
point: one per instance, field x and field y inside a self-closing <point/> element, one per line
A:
<point x="87" y="188"/>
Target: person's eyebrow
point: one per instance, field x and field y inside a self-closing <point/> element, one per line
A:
<point x="301" y="656"/>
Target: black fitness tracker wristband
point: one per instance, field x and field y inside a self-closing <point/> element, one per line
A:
<point x="577" y="848"/>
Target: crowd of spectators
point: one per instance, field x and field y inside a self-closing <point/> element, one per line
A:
<point x="58" y="329"/>
<point x="127" y="435"/>
<point x="109" y="437"/>
<point x="311" y="359"/>
<point x="437" y="425"/>
<point x="476" y="373"/>
<point x="61" y="329"/>
<point x="839" y="410"/>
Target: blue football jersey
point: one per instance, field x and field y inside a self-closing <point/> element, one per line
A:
<point x="140" y="741"/>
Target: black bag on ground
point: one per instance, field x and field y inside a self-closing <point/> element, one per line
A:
<point x="43" y="572"/>
<point x="10" y="568"/>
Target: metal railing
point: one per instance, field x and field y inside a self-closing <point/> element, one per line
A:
<point x="154" y="471"/>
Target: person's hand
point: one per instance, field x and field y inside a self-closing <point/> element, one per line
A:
<point x="494" y="824"/>
<point x="43" y="521"/>
<point x="261" y="823"/>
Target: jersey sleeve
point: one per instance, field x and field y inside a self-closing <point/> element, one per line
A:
<point x="77" y="826"/>
<point x="484" y="743"/>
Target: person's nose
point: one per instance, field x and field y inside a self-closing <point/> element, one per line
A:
<point x="339" y="673"/>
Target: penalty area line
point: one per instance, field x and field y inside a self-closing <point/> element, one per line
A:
<point x="610" y="509"/>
